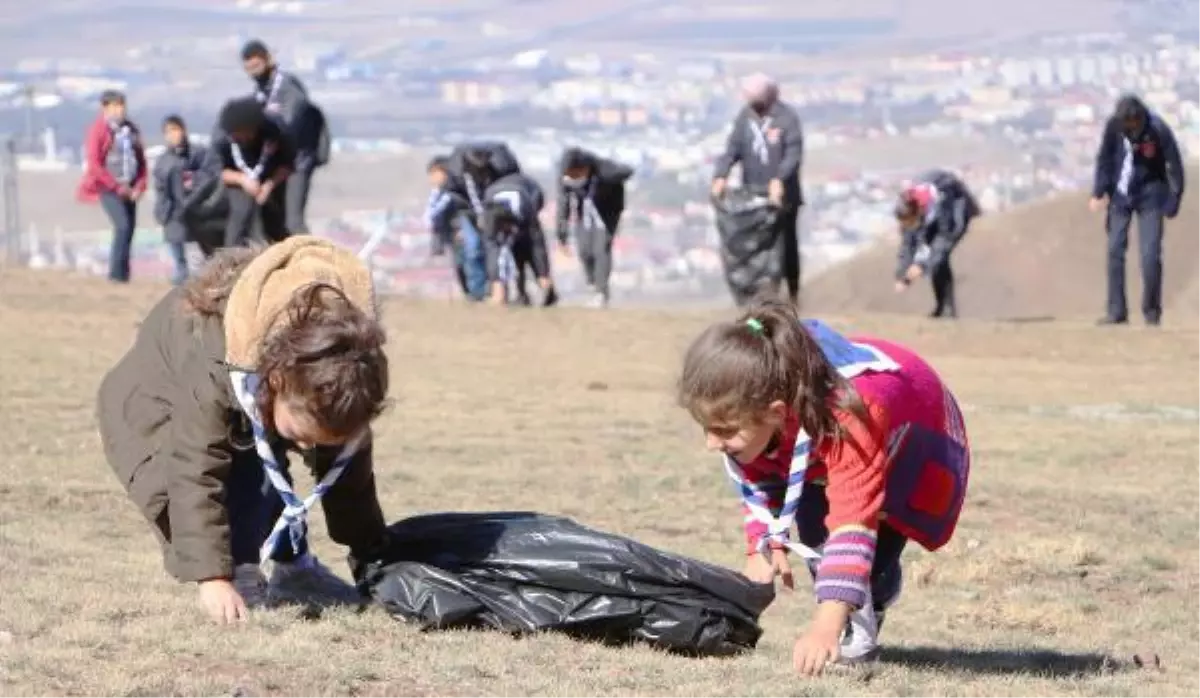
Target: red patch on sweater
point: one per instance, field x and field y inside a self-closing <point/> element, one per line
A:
<point x="1148" y="149"/>
<point x="934" y="492"/>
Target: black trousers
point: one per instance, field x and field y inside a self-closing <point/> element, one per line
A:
<point x="528" y="254"/>
<point x="789" y="251"/>
<point x="941" y="276"/>
<point x="886" y="574"/>
<point x="1150" y="234"/>
<point x="245" y="212"/>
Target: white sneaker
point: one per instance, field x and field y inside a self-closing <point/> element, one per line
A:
<point x="308" y="580"/>
<point x="250" y="584"/>
<point x="599" y="299"/>
<point x="860" y="641"/>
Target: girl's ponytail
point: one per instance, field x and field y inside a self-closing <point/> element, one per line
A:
<point x="734" y="370"/>
<point x="808" y="382"/>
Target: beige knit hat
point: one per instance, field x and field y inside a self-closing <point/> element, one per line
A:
<point x="270" y="280"/>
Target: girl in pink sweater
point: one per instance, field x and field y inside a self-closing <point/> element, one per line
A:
<point x="854" y="441"/>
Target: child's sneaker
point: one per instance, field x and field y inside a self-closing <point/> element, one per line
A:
<point x="250" y="584"/>
<point x="882" y="606"/>
<point x="308" y="580"/>
<point x="860" y="641"/>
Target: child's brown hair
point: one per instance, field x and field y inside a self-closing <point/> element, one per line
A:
<point x="734" y="370"/>
<point x="327" y="356"/>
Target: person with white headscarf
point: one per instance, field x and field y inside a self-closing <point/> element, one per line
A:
<point x="768" y="142"/>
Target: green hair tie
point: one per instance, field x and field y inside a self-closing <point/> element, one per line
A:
<point x="755" y="326"/>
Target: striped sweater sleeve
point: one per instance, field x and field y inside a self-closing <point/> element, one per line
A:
<point x="857" y="468"/>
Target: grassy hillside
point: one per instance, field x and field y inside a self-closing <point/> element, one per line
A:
<point x="1078" y="546"/>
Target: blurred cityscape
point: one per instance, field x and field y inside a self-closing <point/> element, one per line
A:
<point x="1020" y="119"/>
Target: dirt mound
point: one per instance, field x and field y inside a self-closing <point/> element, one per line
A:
<point x="1038" y="261"/>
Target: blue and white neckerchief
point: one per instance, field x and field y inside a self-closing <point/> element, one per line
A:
<point x="268" y="96"/>
<point x="1126" y="175"/>
<point x="758" y="133"/>
<point x="123" y="136"/>
<point x="585" y="202"/>
<point x="295" y="511"/>
<point x="473" y="194"/>
<point x="511" y="200"/>
<point x="850" y="360"/>
<point x="507" y="264"/>
<point x="240" y="160"/>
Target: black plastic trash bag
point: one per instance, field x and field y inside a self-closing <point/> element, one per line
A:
<point x="205" y="214"/>
<point x="746" y="222"/>
<point x="523" y="572"/>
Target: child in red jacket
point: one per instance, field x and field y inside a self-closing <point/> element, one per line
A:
<point x="115" y="176"/>
<point x="856" y="442"/>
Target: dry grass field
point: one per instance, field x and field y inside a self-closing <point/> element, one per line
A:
<point x="1078" y="547"/>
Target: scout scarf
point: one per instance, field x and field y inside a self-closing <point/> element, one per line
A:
<point x="758" y="133"/>
<point x="294" y="518"/>
<point x="268" y="96"/>
<point x="253" y="310"/>
<point x="124" y="139"/>
<point x="850" y="360"/>
<point x="259" y="167"/>
<point x="584" y="191"/>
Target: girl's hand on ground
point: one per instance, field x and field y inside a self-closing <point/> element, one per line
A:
<point x="815" y="649"/>
<point x="822" y="644"/>
<point x="764" y="570"/>
<point x="222" y="602"/>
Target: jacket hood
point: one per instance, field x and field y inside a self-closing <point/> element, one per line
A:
<point x="269" y="281"/>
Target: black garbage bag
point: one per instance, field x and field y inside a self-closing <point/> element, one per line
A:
<point x="523" y="572"/>
<point x="746" y="222"/>
<point x="205" y="214"/>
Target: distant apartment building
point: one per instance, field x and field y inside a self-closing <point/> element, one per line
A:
<point x="472" y="93"/>
<point x="612" y="116"/>
<point x="1065" y="69"/>
<point x="1074" y="114"/>
<point x="989" y="95"/>
<point x="1015" y="73"/>
<point x="1088" y="70"/>
<point x="1043" y="73"/>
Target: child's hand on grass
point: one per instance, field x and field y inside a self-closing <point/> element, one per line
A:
<point x="222" y="602"/>
<point x="822" y="644"/>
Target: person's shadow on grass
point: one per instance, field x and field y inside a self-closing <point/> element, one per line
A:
<point x="1002" y="661"/>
